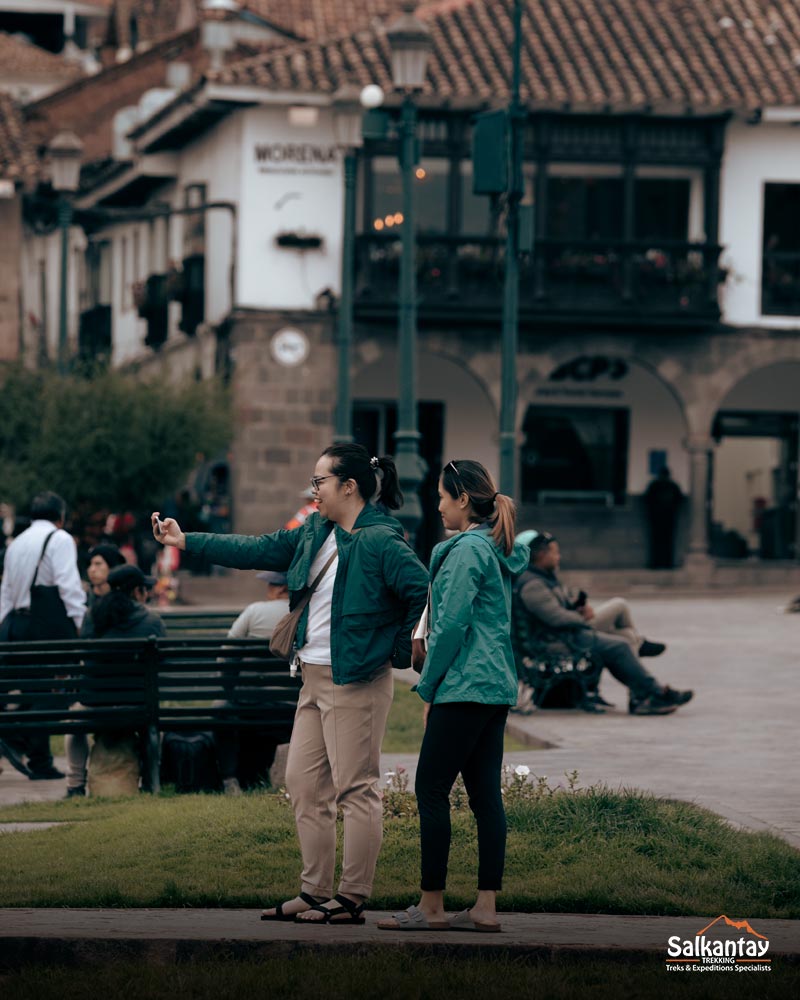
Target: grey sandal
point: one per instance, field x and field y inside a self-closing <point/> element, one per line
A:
<point x="413" y="919"/>
<point x="464" y="922"/>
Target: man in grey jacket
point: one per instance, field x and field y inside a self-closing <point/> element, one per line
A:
<point x="550" y="604"/>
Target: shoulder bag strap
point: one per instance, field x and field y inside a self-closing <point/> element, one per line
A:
<point x="310" y="592"/>
<point x="38" y="564"/>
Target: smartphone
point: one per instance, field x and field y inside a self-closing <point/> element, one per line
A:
<point x="159" y="526"/>
<point x="581" y="599"/>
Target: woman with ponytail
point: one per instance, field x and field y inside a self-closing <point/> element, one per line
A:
<point x="468" y="683"/>
<point x="369" y="590"/>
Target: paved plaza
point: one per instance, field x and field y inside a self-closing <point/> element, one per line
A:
<point x="733" y="749"/>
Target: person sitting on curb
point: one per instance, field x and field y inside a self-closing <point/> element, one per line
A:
<point x="120" y="614"/>
<point x="257" y="621"/>
<point x="548" y="601"/>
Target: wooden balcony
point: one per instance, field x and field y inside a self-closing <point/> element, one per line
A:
<point x="597" y="283"/>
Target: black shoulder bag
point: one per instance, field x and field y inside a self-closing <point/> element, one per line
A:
<point x="48" y="616"/>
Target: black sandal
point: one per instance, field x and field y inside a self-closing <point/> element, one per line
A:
<point x="313" y="903"/>
<point x="353" y="910"/>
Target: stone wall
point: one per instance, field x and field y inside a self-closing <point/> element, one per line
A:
<point x="283" y="416"/>
<point x="10" y="251"/>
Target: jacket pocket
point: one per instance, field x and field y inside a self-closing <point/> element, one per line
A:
<point x="369" y="618"/>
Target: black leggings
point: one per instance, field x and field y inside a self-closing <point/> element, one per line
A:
<point x="465" y="737"/>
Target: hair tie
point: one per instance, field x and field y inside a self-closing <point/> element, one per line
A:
<point x="496" y="496"/>
<point x="373" y="462"/>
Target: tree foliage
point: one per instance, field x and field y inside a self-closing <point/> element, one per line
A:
<point x="112" y="440"/>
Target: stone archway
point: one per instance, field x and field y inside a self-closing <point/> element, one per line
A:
<point x="471" y="428"/>
<point x="753" y="496"/>
<point x="457" y="419"/>
<point x="615" y="378"/>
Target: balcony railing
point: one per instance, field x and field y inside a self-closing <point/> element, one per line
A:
<point x="597" y="279"/>
<point x="780" y="284"/>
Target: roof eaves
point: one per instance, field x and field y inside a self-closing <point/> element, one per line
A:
<point x="253" y="94"/>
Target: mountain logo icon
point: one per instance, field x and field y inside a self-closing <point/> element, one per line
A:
<point x="721" y="949"/>
<point x="738" y="925"/>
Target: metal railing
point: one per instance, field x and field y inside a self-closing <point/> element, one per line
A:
<point x="580" y="276"/>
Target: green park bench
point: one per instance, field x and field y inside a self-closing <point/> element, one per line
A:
<point x="148" y="686"/>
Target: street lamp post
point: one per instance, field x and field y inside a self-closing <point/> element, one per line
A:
<point x="347" y="112"/>
<point x="66" y="151"/>
<point x="410" y="43"/>
<point x="510" y="338"/>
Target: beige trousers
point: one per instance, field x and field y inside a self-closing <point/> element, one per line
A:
<point x="334" y="760"/>
<point x="615" y="618"/>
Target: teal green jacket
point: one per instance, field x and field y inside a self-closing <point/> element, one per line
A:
<point x="378" y="596"/>
<point x="469" y="647"/>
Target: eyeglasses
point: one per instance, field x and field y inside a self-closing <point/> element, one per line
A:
<point x="316" y="480"/>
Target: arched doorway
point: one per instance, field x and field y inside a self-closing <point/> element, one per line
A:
<point x="755" y="479"/>
<point x="596" y="429"/>
<point x="457" y="419"/>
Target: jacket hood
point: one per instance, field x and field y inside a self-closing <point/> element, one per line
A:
<point x="135" y="619"/>
<point x="512" y="564"/>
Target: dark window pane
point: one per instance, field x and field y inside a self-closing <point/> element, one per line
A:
<point x="578" y="449"/>
<point x="662" y="209"/>
<point x="782" y="217"/>
<point x="430" y="190"/>
<point x="584" y="208"/>
<point x="780" y="278"/>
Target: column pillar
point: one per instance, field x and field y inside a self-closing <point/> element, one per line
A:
<point x="700" y="448"/>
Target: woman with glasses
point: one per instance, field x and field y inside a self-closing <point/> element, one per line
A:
<point x="371" y="590"/>
<point x="468" y="683"/>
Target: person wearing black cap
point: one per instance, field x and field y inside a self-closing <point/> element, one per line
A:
<point x="120" y="614"/>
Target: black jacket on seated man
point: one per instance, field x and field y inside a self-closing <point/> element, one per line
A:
<point x="545" y="598"/>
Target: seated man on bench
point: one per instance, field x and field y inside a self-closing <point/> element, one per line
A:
<point x="542" y="596"/>
<point x="234" y="748"/>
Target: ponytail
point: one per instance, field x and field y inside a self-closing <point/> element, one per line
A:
<point x="390" y="494"/>
<point x="504" y="523"/>
<point x="376" y="478"/>
<point x="489" y="507"/>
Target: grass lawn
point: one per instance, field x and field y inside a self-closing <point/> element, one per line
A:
<point x="590" y="852"/>
<point x="378" y="976"/>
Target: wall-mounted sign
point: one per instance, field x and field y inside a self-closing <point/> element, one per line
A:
<point x="295" y="158"/>
<point x="289" y="347"/>
<point x="587" y="369"/>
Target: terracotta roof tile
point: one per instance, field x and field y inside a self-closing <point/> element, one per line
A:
<point x="321" y="19"/>
<point x="668" y="56"/>
<point x="17" y="158"/>
<point x="19" y="57"/>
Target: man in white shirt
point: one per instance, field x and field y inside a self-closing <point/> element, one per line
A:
<point x="48" y="554"/>
<point x="256" y="622"/>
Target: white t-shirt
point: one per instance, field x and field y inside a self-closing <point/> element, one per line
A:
<point x="317" y="648"/>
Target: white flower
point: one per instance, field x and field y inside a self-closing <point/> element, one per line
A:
<point x="389" y="774"/>
<point x="523" y="770"/>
